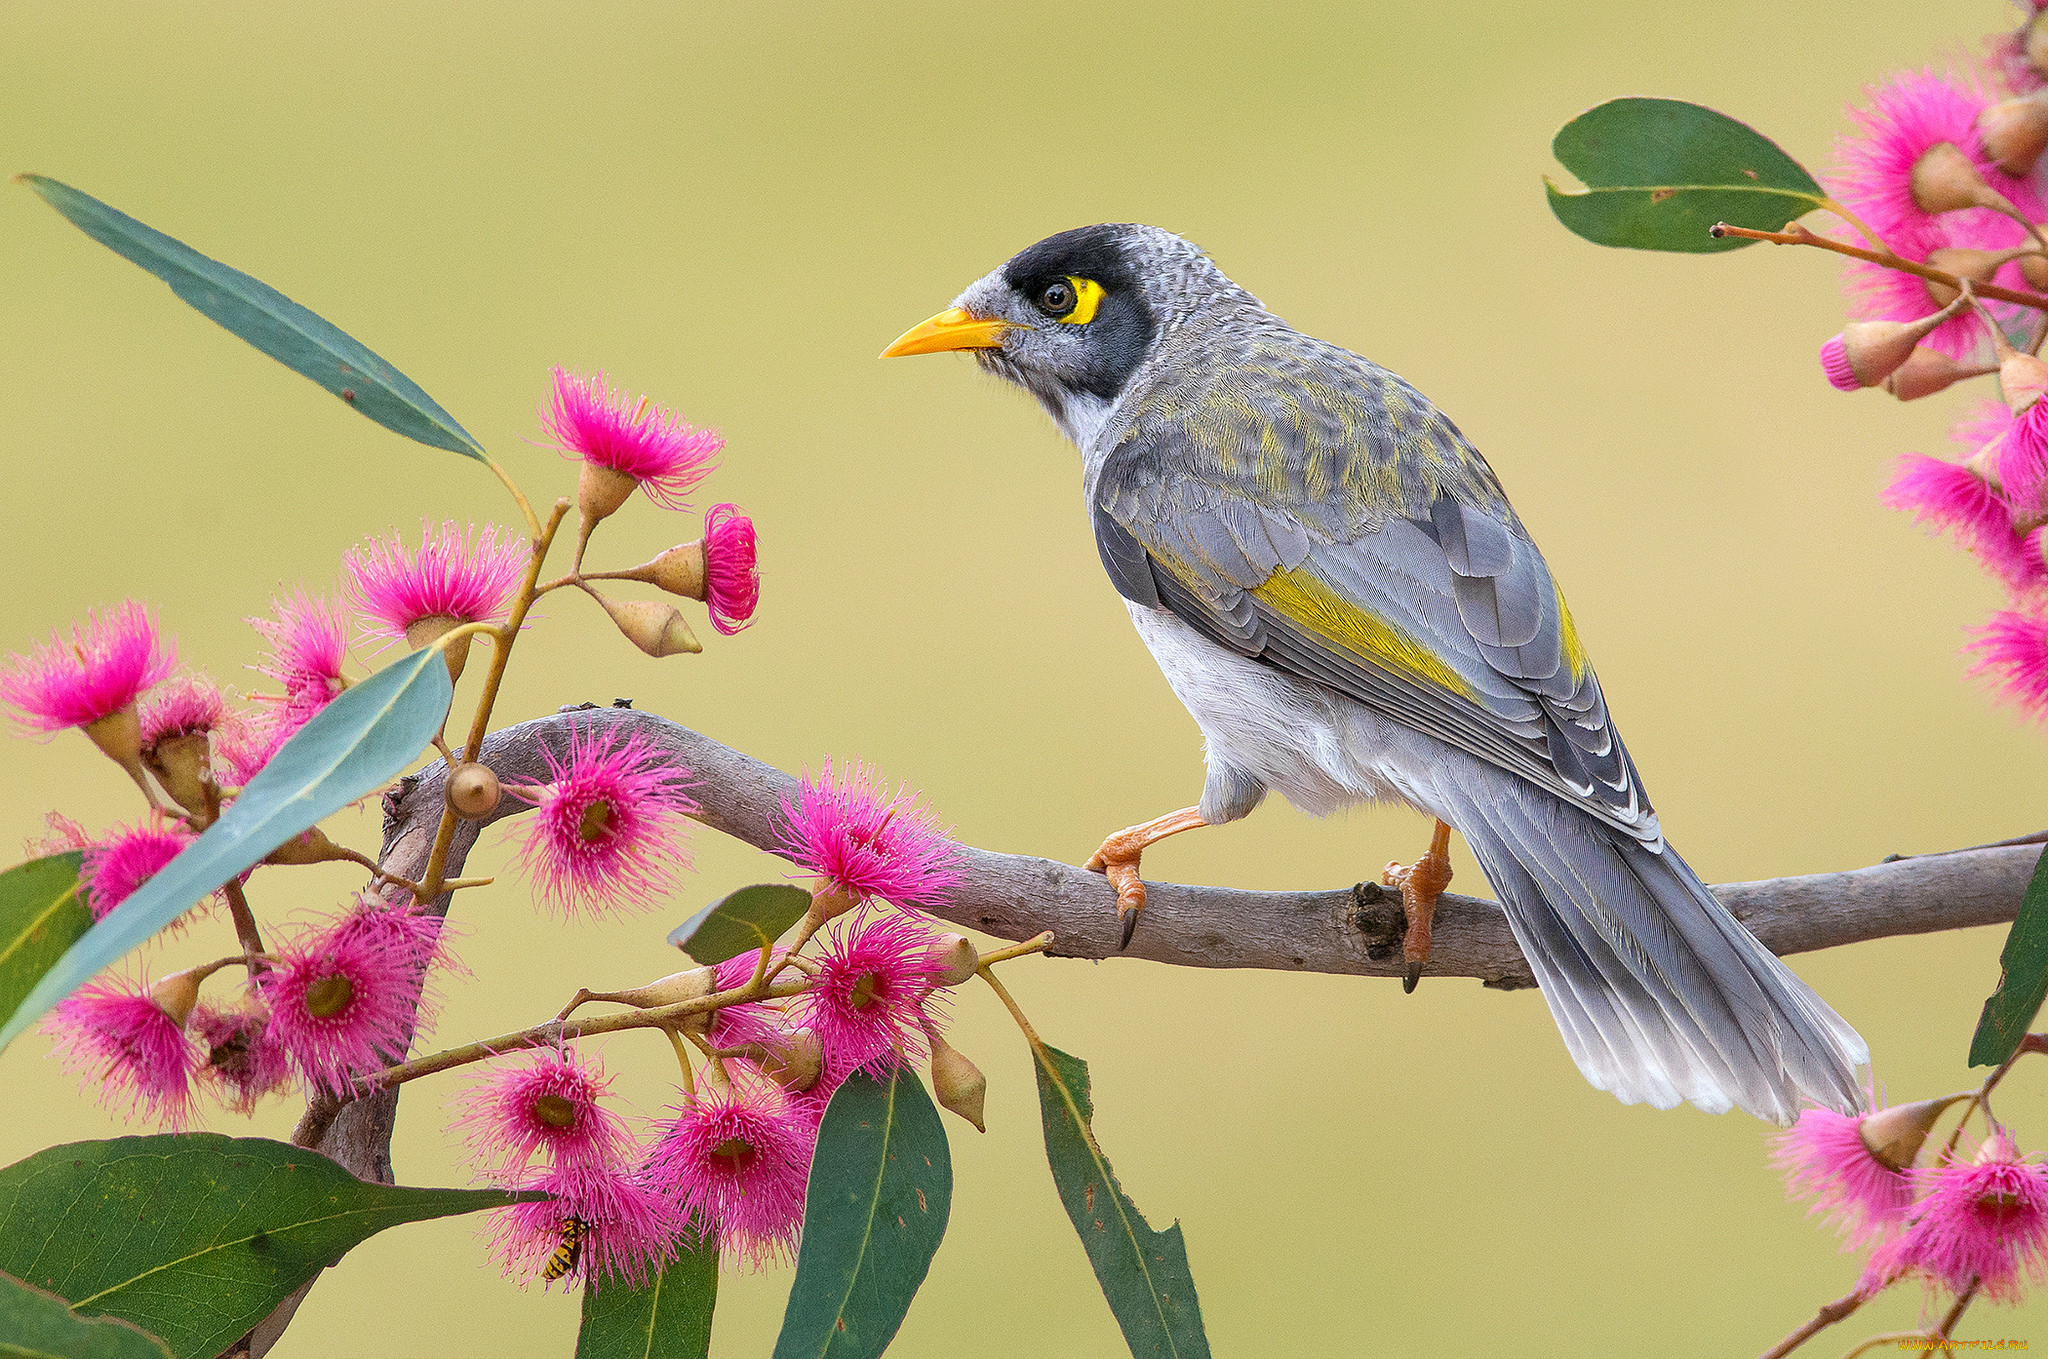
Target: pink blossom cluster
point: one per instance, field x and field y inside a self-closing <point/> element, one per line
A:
<point x="328" y="1003"/>
<point x="1946" y="169"/>
<point x="1959" y="1225"/>
<point x="728" y="1162"/>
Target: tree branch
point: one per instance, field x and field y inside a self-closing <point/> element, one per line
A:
<point x="1353" y="930"/>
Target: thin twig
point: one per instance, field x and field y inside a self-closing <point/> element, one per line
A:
<point x="1797" y="234"/>
<point x="246" y="932"/>
<point x="1828" y="1315"/>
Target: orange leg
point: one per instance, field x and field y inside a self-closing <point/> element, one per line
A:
<point x="1118" y="858"/>
<point x="1421" y="883"/>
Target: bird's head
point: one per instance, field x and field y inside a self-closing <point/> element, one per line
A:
<point x="1074" y="317"/>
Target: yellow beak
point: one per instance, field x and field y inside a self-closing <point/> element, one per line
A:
<point x="950" y="329"/>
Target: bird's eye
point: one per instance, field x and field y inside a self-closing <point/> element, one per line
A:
<point x="1057" y="299"/>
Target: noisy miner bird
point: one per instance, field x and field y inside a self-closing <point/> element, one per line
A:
<point x="1339" y="592"/>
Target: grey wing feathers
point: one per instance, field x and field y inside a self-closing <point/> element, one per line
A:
<point x="1470" y="591"/>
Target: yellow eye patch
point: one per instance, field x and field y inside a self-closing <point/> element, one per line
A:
<point x="1087" y="297"/>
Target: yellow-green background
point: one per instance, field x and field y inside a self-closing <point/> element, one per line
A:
<point x="735" y="207"/>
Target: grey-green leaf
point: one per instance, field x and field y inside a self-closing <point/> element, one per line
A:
<point x="670" y="1318"/>
<point x="266" y="318"/>
<point x="747" y="920"/>
<point x="1144" y="1274"/>
<point x="2022" y="978"/>
<point x="194" y="1237"/>
<point x="40" y="917"/>
<point x="1660" y="172"/>
<point x="881" y="1190"/>
<point x="356" y="744"/>
<point x="39" y="1325"/>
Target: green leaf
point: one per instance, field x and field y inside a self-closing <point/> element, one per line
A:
<point x="2022" y="978"/>
<point x="266" y="318"/>
<point x="39" y="1325"/>
<point x="1660" y="172"/>
<point x="881" y="1190"/>
<point x="747" y="920"/>
<point x="356" y="744"/>
<point x="668" y="1319"/>
<point x="194" y="1236"/>
<point x="40" y="917"/>
<point x="1143" y="1273"/>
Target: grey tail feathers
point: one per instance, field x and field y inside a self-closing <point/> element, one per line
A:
<point x="1660" y="993"/>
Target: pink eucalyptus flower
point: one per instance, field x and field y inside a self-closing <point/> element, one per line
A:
<point x="2023" y="461"/>
<point x="732" y="585"/>
<point x="1825" y="1159"/>
<point x="1984" y="1222"/>
<point x="459" y="575"/>
<point x="101" y="670"/>
<point x="190" y="705"/>
<point x="1950" y="496"/>
<point x="308" y="644"/>
<point x="623" y="1229"/>
<point x="2012" y="649"/>
<point x="737" y="1160"/>
<point x="125" y="1046"/>
<point x="609" y="832"/>
<point x="864" y="843"/>
<point x="391" y="925"/>
<point x="244" y="1061"/>
<point x="126" y="857"/>
<point x="341" y="1004"/>
<point x="1909" y="116"/>
<point x="545" y="1102"/>
<point x="872" y="995"/>
<point x="666" y="456"/>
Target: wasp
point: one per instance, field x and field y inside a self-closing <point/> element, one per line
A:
<point x="574" y="1229"/>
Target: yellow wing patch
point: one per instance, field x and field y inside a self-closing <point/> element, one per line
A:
<point x="1305" y="599"/>
<point x="1568" y="634"/>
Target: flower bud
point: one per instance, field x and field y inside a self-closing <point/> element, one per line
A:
<point x="2034" y="269"/>
<point x="310" y="847"/>
<point x="2022" y="378"/>
<point x="119" y="737"/>
<point x="2034" y="43"/>
<point x="958" y="1083"/>
<point x="1945" y="180"/>
<point x="656" y="628"/>
<point x="473" y="791"/>
<point x="795" y="1063"/>
<point x="183" y="765"/>
<point x="955" y="958"/>
<point x="599" y="493"/>
<point x="829" y="902"/>
<point x="1868" y="352"/>
<point x="680" y="570"/>
<point x="1893" y="1136"/>
<point x="1930" y="371"/>
<point x="176" y="994"/>
<point x="424" y="632"/>
<point x="1978" y="266"/>
<point x="2015" y="132"/>
<point x="673" y="989"/>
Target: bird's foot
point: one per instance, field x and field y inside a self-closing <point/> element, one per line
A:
<point x="1118" y="856"/>
<point x="1421" y="883"/>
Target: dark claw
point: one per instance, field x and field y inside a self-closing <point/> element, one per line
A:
<point x="1412" y="976"/>
<point x="1130" y="923"/>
